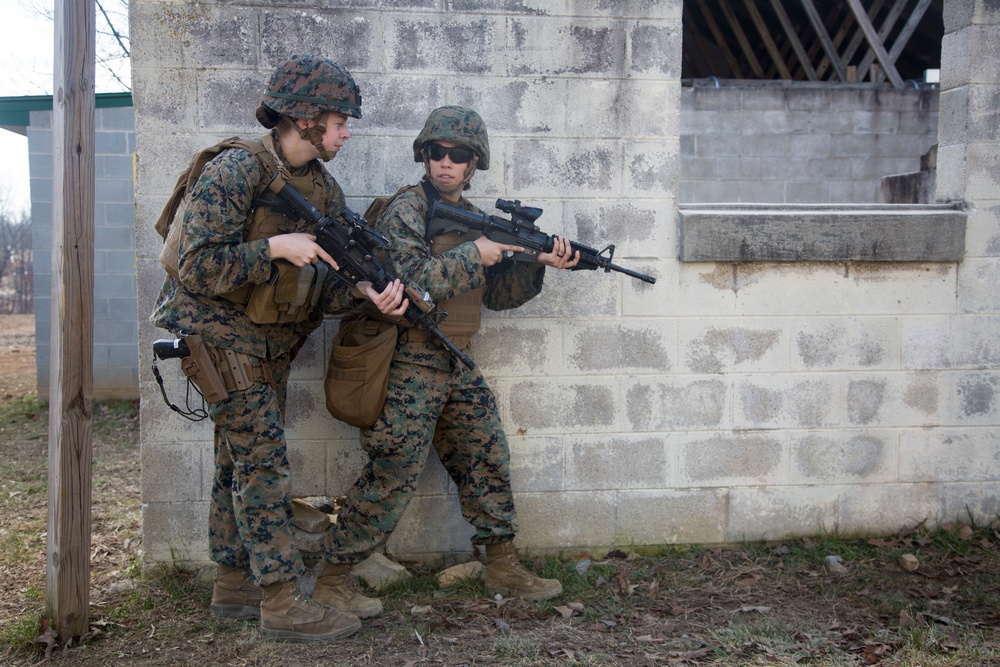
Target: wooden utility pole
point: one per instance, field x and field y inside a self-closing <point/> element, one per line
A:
<point x="71" y="380"/>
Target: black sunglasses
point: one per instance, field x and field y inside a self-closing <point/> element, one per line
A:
<point x="458" y="154"/>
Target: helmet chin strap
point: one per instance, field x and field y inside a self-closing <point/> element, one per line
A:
<point x="314" y="135"/>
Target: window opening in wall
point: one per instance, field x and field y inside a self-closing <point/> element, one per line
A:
<point x="843" y="41"/>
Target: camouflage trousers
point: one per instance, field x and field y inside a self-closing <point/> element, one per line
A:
<point x="249" y="521"/>
<point x="455" y="413"/>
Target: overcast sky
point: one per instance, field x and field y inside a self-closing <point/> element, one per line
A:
<point x="26" y="54"/>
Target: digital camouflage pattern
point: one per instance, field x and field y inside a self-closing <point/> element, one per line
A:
<point x="215" y="259"/>
<point x="251" y="528"/>
<point x="250" y="511"/>
<point x="460" y="125"/>
<point x="305" y="86"/>
<point x="433" y="400"/>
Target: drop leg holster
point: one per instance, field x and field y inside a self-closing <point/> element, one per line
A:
<point x="216" y="371"/>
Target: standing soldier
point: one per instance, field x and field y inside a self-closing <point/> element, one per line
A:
<point x="432" y="399"/>
<point x="230" y="254"/>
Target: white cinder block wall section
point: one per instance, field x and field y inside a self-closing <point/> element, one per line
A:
<point x="726" y="402"/>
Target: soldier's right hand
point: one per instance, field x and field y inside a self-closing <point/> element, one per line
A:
<point x="299" y="249"/>
<point x="492" y="252"/>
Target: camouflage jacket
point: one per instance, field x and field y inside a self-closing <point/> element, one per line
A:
<point x="215" y="259"/>
<point x="453" y="272"/>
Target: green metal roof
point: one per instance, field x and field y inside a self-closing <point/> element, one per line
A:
<point x="16" y="111"/>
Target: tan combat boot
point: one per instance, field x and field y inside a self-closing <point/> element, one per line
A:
<point x="505" y="575"/>
<point x="235" y="595"/>
<point x="286" y="614"/>
<point x="335" y="591"/>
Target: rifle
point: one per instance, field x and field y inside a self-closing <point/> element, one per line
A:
<point x="521" y="230"/>
<point x="353" y="248"/>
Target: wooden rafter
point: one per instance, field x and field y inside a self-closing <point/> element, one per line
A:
<point x="720" y="40"/>
<point x="734" y="25"/>
<point x="887" y="25"/>
<point x="794" y="40"/>
<point x="765" y="34"/>
<point x="874" y="42"/>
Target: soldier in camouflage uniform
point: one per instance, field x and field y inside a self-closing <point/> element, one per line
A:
<point x="230" y="239"/>
<point x="433" y="400"/>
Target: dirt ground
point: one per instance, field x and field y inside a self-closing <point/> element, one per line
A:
<point x="17" y="355"/>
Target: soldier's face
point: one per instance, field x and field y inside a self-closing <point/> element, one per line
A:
<point x="447" y="176"/>
<point x="336" y="132"/>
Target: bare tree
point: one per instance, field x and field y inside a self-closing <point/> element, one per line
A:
<point x="112" y="46"/>
<point x="16" y="293"/>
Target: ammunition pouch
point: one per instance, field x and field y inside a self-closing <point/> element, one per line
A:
<point x="290" y="295"/>
<point x="357" y="374"/>
<point x="216" y="372"/>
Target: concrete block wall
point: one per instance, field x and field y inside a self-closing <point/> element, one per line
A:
<point x="559" y="85"/>
<point x="729" y="401"/>
<point x="116" y="372"/>
<point x="793" y="142"/>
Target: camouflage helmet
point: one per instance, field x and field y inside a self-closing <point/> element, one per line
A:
<point x="460" y="125"/>
<point x="305" y="86"/>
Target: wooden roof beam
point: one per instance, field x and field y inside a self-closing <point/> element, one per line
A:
<point x="741" y="37"/>
<point x="824" y="38"/>
<point x="765" y="34"/>
<point x="720" y="40"/>
<point x="874" y="42"/>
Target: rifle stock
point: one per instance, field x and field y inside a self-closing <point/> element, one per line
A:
<point x="521" y="230"/>
<point x="353" y="248"/>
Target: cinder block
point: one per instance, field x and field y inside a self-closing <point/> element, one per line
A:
<point x="547" y="406"/>
<point x="176" y="472"/>
<point x="846" y="343"/>
<point x="641" y="346"/>
<point x="344" y="461"/>
<point x="731" y="459"/>
<point x="614" y="108"/>
<point x="983" y="171"/>
<point x="881" y="509"/>
<point x="656" y="49"/>
<point x="977" y="280"/>
<point x="515" y="348"/>
<point x="571" y="168"/>
<point x="775" y="513"/>
<point x="619" y="462"/>
<point x="559" y="46"/>
<point x="786" y="401"/>
<point x="982" y="236"/>
<point x="431" y="526"/>
<point x="688" y="516"/>
<point x="676" y="403"/>
<point x="842" y="457"/>
<point x="732" y="345"/>
<point x="536" y="463"/>
<point x="964" y="502"/>
<point x="553" y="521"/>
<point x="974" y="397"/>
<point x="175" y="532"/>
<point x="949" y="455"/>
<point x="975" y="343"/>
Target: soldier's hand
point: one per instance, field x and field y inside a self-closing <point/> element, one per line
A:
<point x="389" y="301"/>
<point x="562" y="255"/>
<point x="492" y="252"/>
<point x="299" y="249"/>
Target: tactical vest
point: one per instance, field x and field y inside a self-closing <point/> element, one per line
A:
<point x="292" y="292"/>
<point x="465" y="309"/>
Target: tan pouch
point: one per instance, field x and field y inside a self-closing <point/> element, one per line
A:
<point x="358" y="372"/>
<point x="289" y="295"/>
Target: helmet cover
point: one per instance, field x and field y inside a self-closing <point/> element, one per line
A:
<point x="457" y="124"/>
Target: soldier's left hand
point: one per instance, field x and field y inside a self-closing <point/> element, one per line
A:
<point x="562" y="255"/>
<point x="389" y="301"/>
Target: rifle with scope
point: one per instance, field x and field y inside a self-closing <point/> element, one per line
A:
<point x="521" y="230"/>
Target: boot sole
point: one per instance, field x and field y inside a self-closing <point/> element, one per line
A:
<point x="293" y="636"/>
<point x="234" y="611"/>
